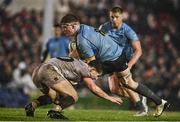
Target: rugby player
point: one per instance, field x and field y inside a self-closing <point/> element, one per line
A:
<point x="125" y="36"/>
<point x="56" y="78"/>
<point x="97" y="48"/>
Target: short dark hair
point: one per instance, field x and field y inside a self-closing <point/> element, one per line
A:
<point x="68" y="18"/>
<point x="57" y="24"/>
<point x="117" y="9"/>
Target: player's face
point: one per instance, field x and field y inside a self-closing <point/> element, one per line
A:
<point x="57" y="31"/>
<point x="68" y="29"/>
<point x="116" y="19"/>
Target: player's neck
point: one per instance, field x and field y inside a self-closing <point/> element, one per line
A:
<point x="118" y="27"/>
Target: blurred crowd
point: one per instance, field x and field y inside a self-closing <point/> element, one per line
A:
<point x="155" y="21"/>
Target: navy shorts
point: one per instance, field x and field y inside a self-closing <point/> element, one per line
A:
<point x="118" y="65"/>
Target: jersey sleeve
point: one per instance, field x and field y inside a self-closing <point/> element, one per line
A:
<point x="131" y="34"/>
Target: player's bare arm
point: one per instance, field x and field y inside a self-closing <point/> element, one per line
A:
<point x="137" y="53"/>
<point x="96" y="90"/>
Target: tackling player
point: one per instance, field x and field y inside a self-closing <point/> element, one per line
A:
<point x="55" y="79"/>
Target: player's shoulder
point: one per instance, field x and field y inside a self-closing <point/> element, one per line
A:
<point x="51" y="39"/>
<point x="64" y="38"/>
<point x="105" y="25"/>
<point x="81" y="63"/>
<point x="85" y="31"/>
<point x="84" y="28"/>
<point x="126" y="27"/>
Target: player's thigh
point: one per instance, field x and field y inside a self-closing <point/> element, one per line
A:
<point x="52" y="94"/>
<point x="66" y="89"/>
<point x="117" y="87"/>
<point x="125" y="77"/>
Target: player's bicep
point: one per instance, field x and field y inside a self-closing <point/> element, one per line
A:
<point x="136" y="45"/>
<point x="90" y="84"/>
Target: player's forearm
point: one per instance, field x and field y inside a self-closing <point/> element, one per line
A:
<point x="135" y="58"/>
<point x="95" y="89"/>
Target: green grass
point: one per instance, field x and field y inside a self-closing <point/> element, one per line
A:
<point x="17" y="114"/>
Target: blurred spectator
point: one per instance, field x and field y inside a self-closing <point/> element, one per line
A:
<point x="22" y="79"/>
<point x="5" y="3"/>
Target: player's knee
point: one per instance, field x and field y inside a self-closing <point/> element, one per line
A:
<point x="125" y="77"/>
<point x="75" y="96"/>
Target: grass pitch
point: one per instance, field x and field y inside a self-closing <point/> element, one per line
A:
<point x="17" y="114"/>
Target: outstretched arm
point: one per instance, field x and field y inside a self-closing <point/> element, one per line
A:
<point x="99" y="92"/>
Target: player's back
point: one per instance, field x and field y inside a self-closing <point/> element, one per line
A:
<point x="102" y="45"/>
<point x="71" y="69"/>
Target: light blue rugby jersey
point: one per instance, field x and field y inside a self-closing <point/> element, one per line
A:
<point x="58" y="47"/>
<point x="92" y="43"/>
<point x="124" y="36"/>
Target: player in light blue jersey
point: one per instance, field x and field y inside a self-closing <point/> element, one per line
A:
<point x="95" y="47"/>
<point x="57" y="46"/>
<point x="125" y="36"/>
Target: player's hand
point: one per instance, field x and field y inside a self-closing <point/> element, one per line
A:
<point x="116" y="100"/>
